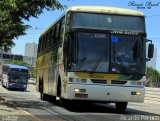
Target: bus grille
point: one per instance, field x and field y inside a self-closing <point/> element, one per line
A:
<point x="99" y="81"/>
<point x="118" y="82"/>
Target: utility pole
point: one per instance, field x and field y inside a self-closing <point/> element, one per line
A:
<point x="1" y="59"/>
<point x="1" y="56"/>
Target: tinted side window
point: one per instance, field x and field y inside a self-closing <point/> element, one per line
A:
<point x="39" y="45"/>
<point x="42" y="43"/>
<point x="57" y="33"/>
<point x="61" y="30"/>
<point x="54" y="35"/>
<point x="50" y="37"/>
<point x="47" y="40"/>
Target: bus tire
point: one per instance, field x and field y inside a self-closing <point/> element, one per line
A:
<point x="61" y="101"/>
<point x="7" y="86"/>
<point x="64" y="102"/>
<point x="23" y="89"/>
<point x="42" y="95"/>
<point x="121" y="106"/>
<point x="2" y="83"/>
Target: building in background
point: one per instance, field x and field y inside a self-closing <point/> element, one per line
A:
<point x="30" y="53"/>
<point x="31" y="49"/>
<point x="2" y="54"/>
<point x="153" y="61"/>
<point x="8" y="52"/>
<point x="5" y="57"/>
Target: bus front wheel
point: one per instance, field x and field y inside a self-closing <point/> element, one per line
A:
<point x="121" y="106"/>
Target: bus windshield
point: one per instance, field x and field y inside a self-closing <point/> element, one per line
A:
<point x="108" y="22"/>
<point x="18" y="78"/>
<point x="19" y="71"/>
<point x="91" y="48"/>
<point x="19" y="75"/>
<point x="97" y="52"/>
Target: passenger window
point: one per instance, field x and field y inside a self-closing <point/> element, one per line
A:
<point x="61" y="30"/>
<point x="51" y="38"/>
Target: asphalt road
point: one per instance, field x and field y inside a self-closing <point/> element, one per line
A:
<point x="29" y="101"/>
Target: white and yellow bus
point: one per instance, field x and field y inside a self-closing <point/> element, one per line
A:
<point x="94" y="54"/>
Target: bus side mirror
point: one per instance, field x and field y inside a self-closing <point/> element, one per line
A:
<point x="150" y="50"/>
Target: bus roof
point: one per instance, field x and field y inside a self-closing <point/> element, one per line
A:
<point x="15" y="66"/>
<point x="97" y="9"/>
<point x="105" y="9"/>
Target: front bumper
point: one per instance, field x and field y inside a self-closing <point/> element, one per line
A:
<point x="17" y="86"/>
<point x="108" y="93"/>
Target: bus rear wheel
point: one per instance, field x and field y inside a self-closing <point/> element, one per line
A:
<point x="2" y="83"/>
<point x="61" y="102"/>
<point x="42" y="95"/>
<point x="121" y="106"/>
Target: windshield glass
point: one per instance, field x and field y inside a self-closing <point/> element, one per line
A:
<point x="18" y="70"/>
<point x="97" y="52"/>
<point x="19" y="75"/>
<point x="127" y="54"/>
<point x="92" y="48"/>
<point x="18" y="78"/>
<point x="108" y="22"/>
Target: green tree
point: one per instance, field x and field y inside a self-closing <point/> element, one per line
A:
<point x="32" y="71"/>
<point x="21" y="63"/>
<point x="152" y="76"/>
<point x="13" y="12"/>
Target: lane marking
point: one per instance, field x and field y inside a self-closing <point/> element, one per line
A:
<point x="37" y="119"/>
<point x="26" y="112"/>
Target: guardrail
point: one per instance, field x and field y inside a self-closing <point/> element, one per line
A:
<point x="152" y="95"/>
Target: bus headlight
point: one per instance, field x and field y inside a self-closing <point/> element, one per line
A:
<point x="136" y="93"/>
<point x="77" y="90"/>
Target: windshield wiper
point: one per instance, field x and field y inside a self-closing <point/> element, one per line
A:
<point x="98" y="62"/>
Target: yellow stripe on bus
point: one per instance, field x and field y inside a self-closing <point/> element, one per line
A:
<point x="97" y="75"/>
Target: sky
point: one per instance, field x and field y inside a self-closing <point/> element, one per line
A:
<point x="38" y="25"/>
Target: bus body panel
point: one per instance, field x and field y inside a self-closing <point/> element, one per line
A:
<point x="101" y="88"/>
<point x="48" y="72"/>
<point x="42" y="71"/>
<point x="17" y="86"/>
<point x="105" y="93"/>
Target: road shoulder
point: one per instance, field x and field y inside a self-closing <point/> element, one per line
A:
<point x="9" y="112"/>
